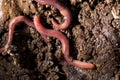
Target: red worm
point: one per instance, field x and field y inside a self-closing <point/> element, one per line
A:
<point x="65" y="44"/>
<point x="63" y="10"/>
<point x="12" y="26"/>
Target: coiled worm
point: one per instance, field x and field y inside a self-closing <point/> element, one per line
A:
<point x="65" y="44"/>
<point x="63" y="10"/>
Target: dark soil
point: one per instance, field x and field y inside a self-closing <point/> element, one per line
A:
<point x="94" y="37"/>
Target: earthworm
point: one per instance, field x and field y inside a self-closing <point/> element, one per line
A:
<point x="65" y="44"/>
<point x="12" y="26"/>
<point x="63" y="10"/>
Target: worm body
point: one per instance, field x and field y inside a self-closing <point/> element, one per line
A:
<point x="12" y="26"/>
<point x="46" y="32"/>
<point x="65" y="44"/>
<point x="63" y="10"/>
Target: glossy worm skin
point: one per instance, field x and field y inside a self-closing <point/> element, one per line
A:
<point x="65" y="44"/>
<point x="63" y="10"/>
<point x="12" y="26"/>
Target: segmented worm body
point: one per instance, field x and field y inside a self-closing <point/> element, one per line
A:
<point x="65" y="44"/>
<point x="63" y="10"/>
<point x="36" y="23"/>
<point x="12" y="26"/>
<point x="47" y="32"/>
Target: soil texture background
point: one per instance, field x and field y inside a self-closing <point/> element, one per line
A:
<point x="94" y="37"/>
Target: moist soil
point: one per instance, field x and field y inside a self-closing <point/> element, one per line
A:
<point x="94" y="37"/>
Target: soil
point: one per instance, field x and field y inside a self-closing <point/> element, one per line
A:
<point x="94" y="36"/>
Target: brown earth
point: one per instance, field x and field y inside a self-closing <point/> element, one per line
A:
<point x="94" y="37"/>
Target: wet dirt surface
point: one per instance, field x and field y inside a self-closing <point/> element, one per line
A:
<point x="94" y="37"/>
